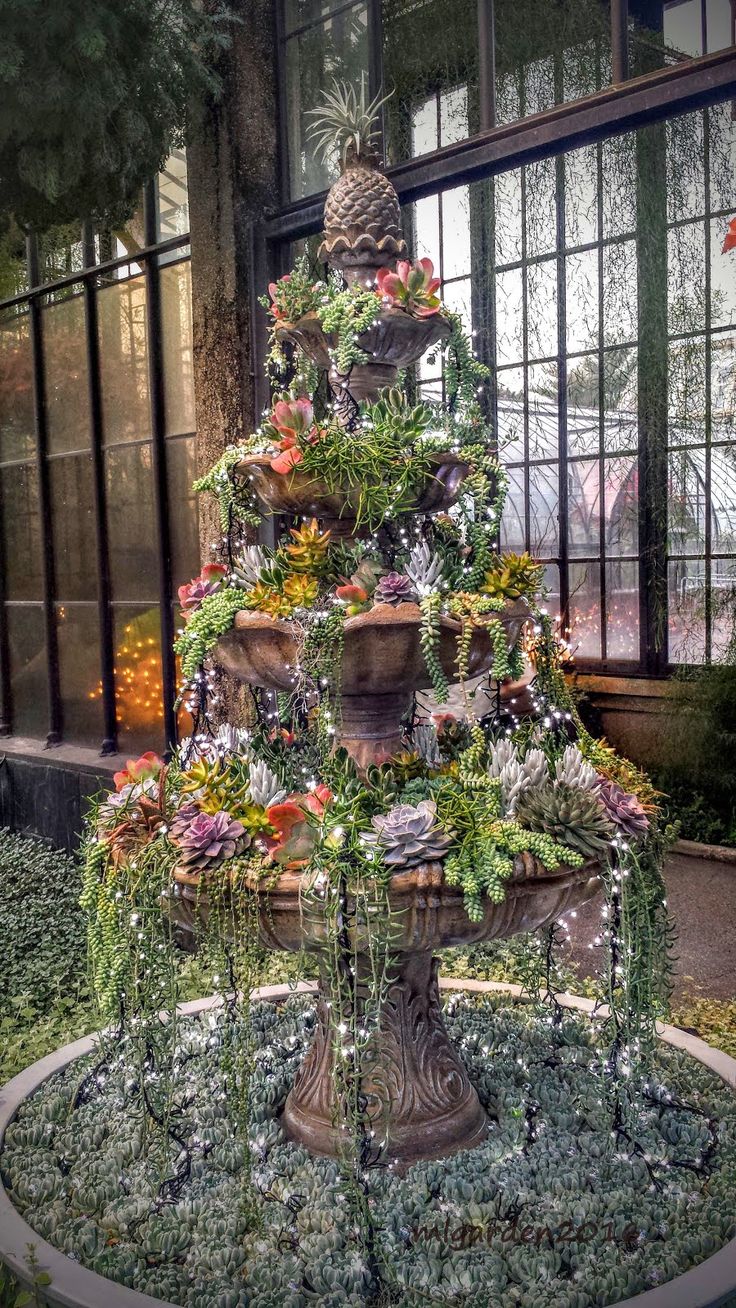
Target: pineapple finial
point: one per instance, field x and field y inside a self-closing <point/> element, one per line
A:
<point x="346" y="122"/>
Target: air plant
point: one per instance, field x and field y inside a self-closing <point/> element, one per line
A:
<point x="346" y="123"/>
<point x="412" y="287"/>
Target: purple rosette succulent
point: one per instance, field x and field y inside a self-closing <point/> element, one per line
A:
<point x="394" y="588"/>
<point x="622" y="809"/>
<point x="206" y="838"/>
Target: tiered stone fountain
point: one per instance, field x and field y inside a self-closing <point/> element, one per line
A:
<point x="418" y="1095"/>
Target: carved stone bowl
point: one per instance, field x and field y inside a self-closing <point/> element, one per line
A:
<point x="382" y="665"/>
<point x="299" y="493"/>
<point x="396" y="338"/>
<point x="420" y="1102"/>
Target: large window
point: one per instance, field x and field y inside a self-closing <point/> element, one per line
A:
<point x="594" y="285"/>
<point x="98" y="520"/>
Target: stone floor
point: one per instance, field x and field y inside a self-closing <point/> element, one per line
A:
<point x="702" y="902"/>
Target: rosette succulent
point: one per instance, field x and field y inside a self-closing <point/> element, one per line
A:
<point x="265" y="787"/>
<point x="624" y="810"/>
<point x="248" y="566"/>
<point x="409" y="835"/>
<point x="513" y="576"/>
<point x="205" y="839"/>
<point x="307" y="550"/>
<point x="292" y="420"/>
<point x="412" y="287"/>
<point x="393" y="588"/>
<point x="424" y="568"/>
<point x="207" y="583"/>
<point x="572" y="816"/>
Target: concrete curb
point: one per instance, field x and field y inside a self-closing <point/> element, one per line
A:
<point x="74" y="1286"/>
<point x="714" y="853"/>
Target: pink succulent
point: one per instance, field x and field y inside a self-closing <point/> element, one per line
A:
<point x="206" y="838"/>
<point x="292" y="418"/>
<point x="209" y="580"/>
<point x="273" y="289"/>
<point x="411" y="287"/>
<point x="622" y="809"/>
<point x="137" y="770"/>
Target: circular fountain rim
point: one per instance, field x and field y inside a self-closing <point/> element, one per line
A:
<point x="75" y="1286"/>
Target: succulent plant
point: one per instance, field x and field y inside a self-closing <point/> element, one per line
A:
<point x="137" y="770"/>
<point x="624" y="810"/>
<point x="307" y="551"/>
<point x="574" y="770"/>
<point x="293" y="421"/>
<point x="535" y="766"/>
<point x="208" y="582"/>
<point x="424" y="568"/>
<point x="248" y="566"/>
<point x="411" y="287"/>
<point x="513" y="576"/>
<point x="300" y="591"/>
<point x="265" y="787"/>
<point x="213" y="786"/>
<point x="205" y="839"/>
<point x="393" y="588"/>
<point x="570" y="815"/>
<point x="409" y="835"/>
<point x="424" y="740"/>
<point x="501" y="752"/>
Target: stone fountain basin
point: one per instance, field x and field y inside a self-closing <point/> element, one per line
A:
<point x="382" y="651"/>
<point x="427" y="914"/>
<point x="299" y="493"/>
<point x="396" y="339"/>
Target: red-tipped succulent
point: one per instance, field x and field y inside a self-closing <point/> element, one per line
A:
<point x="209" y="580"/>
<point x="138" y="770"/>
<point x="412" y="287"/>
<point x="294" y="421"/>
<point x="296" y="831"/>
<point x="730" y="241"/>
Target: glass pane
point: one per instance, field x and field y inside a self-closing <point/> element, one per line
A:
<point x="686" y="277"/>
<point x="300" y="13"/>
<point x="581" y="196"/>
<point x="17" y="427"/>
<point x="511" y="414"/>
<point x="551" y="601"/>
<point x="65" y="360"/>
<point x="181" y="462"/>
<point x="683" y="27"/>
<point x="686" y="391"/>
<point x="544" y="40"/>
<point x="723" y="593"/>
<point x="428" y="49"/>
<point x="582" y="301"/>
<point x="543" y="411"/>
<point x="723" y="500"/>
<point x="456" y="232"/>
<point x="513" y="530"/>
<point x="620" y="293"/>
<point x="585" y="610"/>
<point x="544" y="509"/>
<point x="723" y="387"/>
<point x="173" y="197"/>
<point x="508" y="212"/>
<point x="541" y="218"/>
<point x="176" y="345"/>
<point x="427" y="241"/>
<point x="722" y="277"/>
<point x="20" y="523"/>
<point x="542" y="309"/>
<point x="28" y="669"/>
<point x="138" y="679"/>
<point x="584" y="508"/>
<point x="719" y="18"/>
<point x="622" y="611"/>
<point x="687" y="505"/>
<point x="131" y="523"/>
<point x="583" y="413"/>
<point x="722" y="135"/>
<point x="509" y="316"/>
<point x="686" y="594"/>
<point x="73" y="527"/>
<point x="618" y="183"/>
<point x="337" y="48"/>
<point x="79" y="670"/>
<point x="621" y="493"/>
<point x="685" y="167"/>
<point x="620" y="397"/>
<point x="124" y="361"/>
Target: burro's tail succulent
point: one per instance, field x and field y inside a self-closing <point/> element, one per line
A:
<point x="408" y="835"/>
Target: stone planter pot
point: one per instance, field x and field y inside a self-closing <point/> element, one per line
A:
<point x="382" y="665"/>
<point x="74" y="1286"/>
<point x="299" y="493"/>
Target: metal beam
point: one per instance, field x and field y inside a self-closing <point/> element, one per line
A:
<point x="661" y="94"/>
